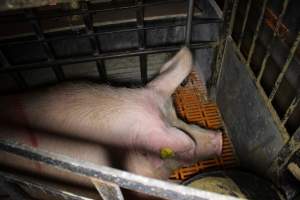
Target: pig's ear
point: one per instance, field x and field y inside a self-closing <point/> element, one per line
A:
<point x="173" y="73"/>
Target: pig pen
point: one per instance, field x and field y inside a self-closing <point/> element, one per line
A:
<point x="248" y="52"/>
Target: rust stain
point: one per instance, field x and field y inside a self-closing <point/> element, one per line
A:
<point x="271" y="20"/>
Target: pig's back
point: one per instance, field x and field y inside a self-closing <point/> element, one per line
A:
<point x="79" y="109"/>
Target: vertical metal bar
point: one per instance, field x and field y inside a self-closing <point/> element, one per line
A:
<point x="17" y="76"/>
<point x="30" y="14"/>
<point x="19" y="79"/>
<point x="244" y="23"/>
<point x="107" y="190"/>
<point x="143" y="68"/>
<point x="88" y="21"/>
<point x="3" y="60"/>
<point x="229" y="12"/>
<point x="101" y="70"/>
<point x="291" y="108"/>
<point x="188" y="28"/>
<point x="268" y="53"/>
<point x="285" y="67"/>
<point x="257" y="29"/>
<point x="142" y="40"/>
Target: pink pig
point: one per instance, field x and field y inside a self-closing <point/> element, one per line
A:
<point x="92" y="122"/>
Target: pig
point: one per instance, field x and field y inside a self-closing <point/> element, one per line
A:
<point x="92" y="122"/>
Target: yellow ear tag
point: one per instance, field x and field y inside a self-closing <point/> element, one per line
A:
<point x="166" y="152"/>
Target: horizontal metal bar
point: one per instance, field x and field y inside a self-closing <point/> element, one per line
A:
<point x="268" y="53"/>
<point x="285" y="67"/>
<point x="13" y="190"/>
<point x="124" y="179"/>
<point x="196" y="21"/>
<point x="244" y="23"/>
<point x="81" y="12"/>
<point x="41" y="187"/>
<point x="291" y="108"/>
<point x="13" y="5"/>
<point x="257" y="29"/>
<point x="107" y="190"/>
<point x="109" y="55"/>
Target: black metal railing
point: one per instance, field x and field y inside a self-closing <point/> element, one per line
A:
<point x="87" y="13"/>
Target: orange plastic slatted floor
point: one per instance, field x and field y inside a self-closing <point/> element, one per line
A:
<point x="193" y="106"/>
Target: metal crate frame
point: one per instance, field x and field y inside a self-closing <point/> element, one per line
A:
<point x="246" y="59"/>
<point x="108" y="180"/>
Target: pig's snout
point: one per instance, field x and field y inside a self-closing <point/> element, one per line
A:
<point x="218" y="141"/>
<point x="209" y="145"/>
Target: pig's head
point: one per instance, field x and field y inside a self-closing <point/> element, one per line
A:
<point x="172" y="149"/>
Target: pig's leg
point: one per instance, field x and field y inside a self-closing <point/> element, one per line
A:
<point x="208" y="142"/>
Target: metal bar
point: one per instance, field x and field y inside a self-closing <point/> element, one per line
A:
<point x="284" y="134"/>
<point x="19" y="79"/>
<point x="101" y="69"/>
<point x="12" y="5"/>
<point x="103" y="32"/>
<point x="17" y="76"/>
<point x="230" y="8"/>
<point x="232" y="17"/>
<point x="285" y="67"/>
<point x="59" y="194"/>
<point x="188" y="27"/>
<point x="291" y="108"/>
<point x="268" y="53"/>
<point x="49" y="51"/>
<point x="14" y="191"/>
<point x="107" y="190"/>
<point x="115" y="8"/>
<point x="257" y="29"/>
<point x="124" y="179"/>
<point x="3" y="60"/>
<point x="142" y="41"/>
<point x="109" y="55"/>
<point x="88" y="21"/>
<point x="144" y="72"/>
<point x="297" y="133"/>
<point x="244" y="23"/>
